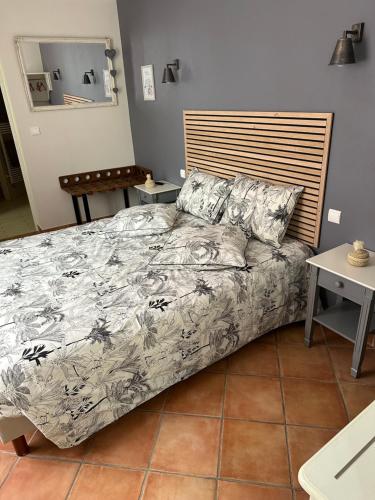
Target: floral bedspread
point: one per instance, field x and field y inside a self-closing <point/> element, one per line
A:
<point x="89" y="330"/>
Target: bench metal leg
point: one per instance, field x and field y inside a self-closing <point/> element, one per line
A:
<point x="86" y="207"/>
<point x="76" y="209"/>
<point x="312" y="305"/>
<point x="126" y="198"/>
<point x="364" y="323"/>
<point x="20" y="446"/>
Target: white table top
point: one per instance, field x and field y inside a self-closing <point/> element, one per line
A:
<point x="167" y="186"/>
<point x="335" y="262"/>
<point x="355" y="477"/>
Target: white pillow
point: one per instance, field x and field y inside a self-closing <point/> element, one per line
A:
<point x="261" y="210"/>
<point x="144" y="220"/>
<point x="203" y="248"/>
<point x="204" y="196"/>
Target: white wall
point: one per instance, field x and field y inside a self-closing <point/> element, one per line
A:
<point x="71" y="141"/>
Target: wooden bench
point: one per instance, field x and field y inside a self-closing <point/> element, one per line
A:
<point x="101" y="181"/>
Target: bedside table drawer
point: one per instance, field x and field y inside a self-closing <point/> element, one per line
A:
<point x="341" y="286"/>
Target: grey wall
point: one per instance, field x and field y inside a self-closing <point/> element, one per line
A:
<point x="258" y="55"/>
<point x="73" y="59"/>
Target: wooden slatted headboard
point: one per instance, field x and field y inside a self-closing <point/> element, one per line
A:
<point x="281" y="148"/>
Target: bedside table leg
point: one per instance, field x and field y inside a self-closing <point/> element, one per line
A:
<point x="312" y="305"/>
<point x="365" y="317"/>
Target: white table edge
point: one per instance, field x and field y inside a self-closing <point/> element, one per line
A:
<point x="309" y="488"/>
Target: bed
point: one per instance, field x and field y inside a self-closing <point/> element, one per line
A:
<point x="91" y="328"/>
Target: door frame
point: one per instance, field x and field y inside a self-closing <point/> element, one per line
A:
<point x="17" y="142"/>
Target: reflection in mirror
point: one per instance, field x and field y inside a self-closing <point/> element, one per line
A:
<point x="66" y="72"/>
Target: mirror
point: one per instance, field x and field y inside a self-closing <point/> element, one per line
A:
<point x="63" y="73"/>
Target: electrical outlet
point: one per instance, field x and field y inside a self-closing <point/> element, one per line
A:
<point x="182" y="173"/>
<point x="334" y="216"/>
<point x="34" y="130"/>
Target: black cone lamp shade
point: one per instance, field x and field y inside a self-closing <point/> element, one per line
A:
<point x="168" y="76"/>
<point x="86" y="80"/>
<point x="343" y="53"/>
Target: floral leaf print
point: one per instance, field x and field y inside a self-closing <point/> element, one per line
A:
<point x="50" y="313"/>
<point x="280" y="214"/>
<point x="149" y="330"/>
<point x="35" y="353"/>
<point x="114" y="261"/>
<point x="156" y="247"/>
<point x="46" y="243"/>
<point x="202" y="288"/>
<point x="74" y="390"/>
<point x="13" y="291"/>
<point x="5" y="251"/>
<point x="158" y="304"/>
<point x="13" y="379"/>
<point x="71" y="274"/>
<point x="100" y="333"/>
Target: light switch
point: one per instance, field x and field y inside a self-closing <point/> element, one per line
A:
<point x="334" y="216"/>
<point x="182" y="173"/>
<point x="35" y="130"/>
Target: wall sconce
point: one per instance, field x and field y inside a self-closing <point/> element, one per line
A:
<point x="56" y="74"/>
<point x="86" y="78"/>
<point x="344" y="52"/>
<point x="168" y="75"/>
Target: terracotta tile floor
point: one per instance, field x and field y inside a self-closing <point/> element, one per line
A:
<point x="238" y="430"/>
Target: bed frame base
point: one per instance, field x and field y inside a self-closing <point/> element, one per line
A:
<point x="20" y="446"/>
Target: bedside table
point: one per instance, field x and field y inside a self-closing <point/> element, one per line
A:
<point x="353" y="319"/>
<point x="158" y="194"/>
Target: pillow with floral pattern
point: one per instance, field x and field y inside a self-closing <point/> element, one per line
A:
<point x="203" y="248"/>
<point x="204" y="196"/>
<point x="143" y="220"/>
<point x="260" y="209"/>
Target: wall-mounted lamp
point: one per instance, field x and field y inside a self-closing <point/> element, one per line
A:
<point x="344" y="52"/>
<point x="56" y="74"/>
<point x="86" y="78"/>
<point x="168" y="75"/>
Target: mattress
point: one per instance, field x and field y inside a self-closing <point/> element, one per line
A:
<point x="89" y="330"/>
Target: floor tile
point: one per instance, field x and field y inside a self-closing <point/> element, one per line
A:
<point x="173" y="487"/>
<point x="253" y="398"/>
<point x="6" y="462"/>
<point x="333" y="339"/>
<point x="303" y="443"/>
<point x="268" y="338"/>
<point x="342" y="362"/>
<point x="201" y="394"/>
<point x="313" y="403"/>
<point x="357" y="397"/>
<point x="187" y="444"/>
<point x="254" y="451"/>
<point x="256" y="358"/>
<point x="95" y="482"/>
<point x="218" y="367"/>
<point x="303" y="362"/>
<point x="241" y="491"/>
<point x="156" y="403"/>
<point x="295" y="332"/>
<point x="129" y="441"/>
<point x="44" y="479"/>
<point x="42" y="447"/>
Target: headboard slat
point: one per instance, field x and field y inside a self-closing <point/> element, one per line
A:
<point x="288" y="148"/>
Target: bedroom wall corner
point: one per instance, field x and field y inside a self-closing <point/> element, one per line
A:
<point x="258" y="55"/>
<point x="71" y="141"/>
